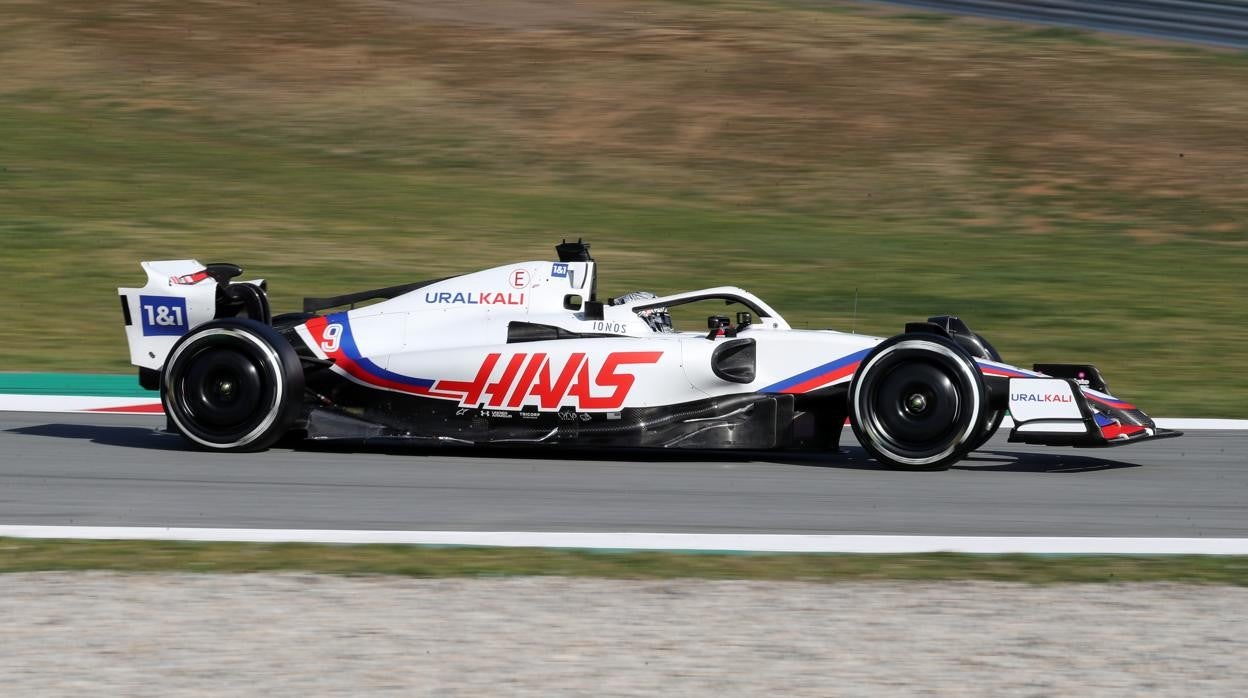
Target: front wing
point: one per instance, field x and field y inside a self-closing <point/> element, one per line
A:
<point x="1060" y="412"/>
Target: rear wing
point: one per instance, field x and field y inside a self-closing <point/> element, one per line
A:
<point x="182" y="294"/>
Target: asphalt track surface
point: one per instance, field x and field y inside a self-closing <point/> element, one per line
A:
<point x="113" y="470"/>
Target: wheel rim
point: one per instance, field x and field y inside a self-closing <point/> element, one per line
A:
<point x="917" y="400"/>
<point x="223" y="388"/>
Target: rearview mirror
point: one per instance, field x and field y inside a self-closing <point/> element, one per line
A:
<point x="572" y="302"/>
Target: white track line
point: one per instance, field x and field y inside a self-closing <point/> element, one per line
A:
<point x="746" y="542"/>
<point x="1194" y="424"/>
<point x="130" y="405"/>
<point x="77" y="403"/>
<point x="1180" y="423"/>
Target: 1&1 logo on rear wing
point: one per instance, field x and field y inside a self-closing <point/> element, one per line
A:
<point x="162" y="315"/>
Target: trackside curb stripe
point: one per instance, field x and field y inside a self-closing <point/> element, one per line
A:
<point x="725" y="542"/>
<point x="80" y="403"/>
<point x="92" y="384"/>
<point x="1182" y="423"/>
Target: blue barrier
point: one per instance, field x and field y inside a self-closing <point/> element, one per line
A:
<point x="1214" y="22"/>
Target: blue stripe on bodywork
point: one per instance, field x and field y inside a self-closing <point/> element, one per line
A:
<point x="1008" y="371"/>
<point x="353" y="352"/>
<point x="815" y="372"/>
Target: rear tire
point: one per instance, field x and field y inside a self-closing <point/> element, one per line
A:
<point x="917" y="402"/>
<point x="232" y="385"/>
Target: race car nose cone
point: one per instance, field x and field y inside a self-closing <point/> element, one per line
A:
<point x="916" y="403"/>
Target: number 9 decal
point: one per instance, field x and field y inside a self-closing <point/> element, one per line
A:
<point x="332" y="338"/>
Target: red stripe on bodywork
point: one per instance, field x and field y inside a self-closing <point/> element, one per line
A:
<point x="1004" y="372"/>
<point x="818" y="381"/>
<point x="1112" y="403"/>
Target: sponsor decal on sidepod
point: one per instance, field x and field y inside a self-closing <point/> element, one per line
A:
<point x="476" y="298"/>
<point x="527" y="379"/>
<point x="509" y="381"/>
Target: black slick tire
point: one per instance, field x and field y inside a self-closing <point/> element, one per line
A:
<point x="994" y="422"/>
<point x="232" y="385"/>
<point x="996" y="416"/>
<point x="917" y="402"/>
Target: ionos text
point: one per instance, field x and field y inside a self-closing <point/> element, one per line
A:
<point x="613" y="327"/>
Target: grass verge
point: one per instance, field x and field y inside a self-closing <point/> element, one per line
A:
<point x="1075" y="197"/>
<point x="26" y="555"/>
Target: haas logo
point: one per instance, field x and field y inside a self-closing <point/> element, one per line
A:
<point x="535" y="379"/>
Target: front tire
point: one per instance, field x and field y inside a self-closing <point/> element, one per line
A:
<point x="917" y="402"/>
<point x="232" y="385"/>
<point x="992" y="424"/>
<point x="994" y="418"/>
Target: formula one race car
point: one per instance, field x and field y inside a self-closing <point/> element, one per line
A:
<point x="526" y="353"/>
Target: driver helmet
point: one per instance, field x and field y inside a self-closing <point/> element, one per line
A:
<point x="658" y="319"/>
